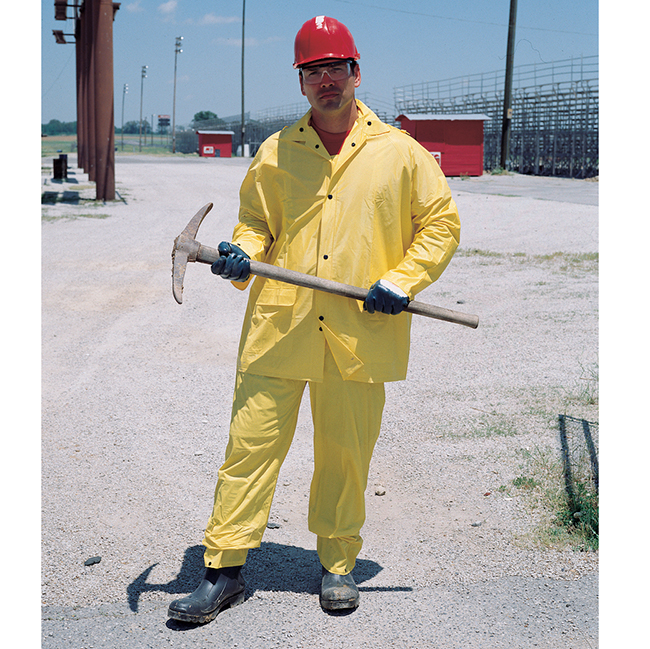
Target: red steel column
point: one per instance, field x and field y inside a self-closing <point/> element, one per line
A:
<point x="88" y="9"/>
<point x="103" y="11"/>
<point x="79" y="56"/>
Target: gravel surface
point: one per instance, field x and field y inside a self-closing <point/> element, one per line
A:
<point x="136" y="394"/>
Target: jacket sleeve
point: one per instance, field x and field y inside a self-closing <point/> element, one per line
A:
<point x="252" y="232"/>
<point x="435" y="226"/>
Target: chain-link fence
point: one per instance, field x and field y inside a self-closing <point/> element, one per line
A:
<point x="579" y="450"/>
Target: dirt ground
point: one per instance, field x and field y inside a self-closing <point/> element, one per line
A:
<point x="136" y="394"/>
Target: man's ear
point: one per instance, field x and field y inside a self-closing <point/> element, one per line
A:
<point x="302" y="88"/>
<point x="357" y="76"/>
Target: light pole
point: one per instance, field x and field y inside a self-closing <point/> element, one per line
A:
<point x="125" y="91"/>
<point x="243" y="23"/>
<point x="177" y="51"/>
<point x="507" y="93"/>
<point x="144" y="75"/>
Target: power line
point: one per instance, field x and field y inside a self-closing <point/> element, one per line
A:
<point x="463" y="20"/>
<point x="60" y="73"/>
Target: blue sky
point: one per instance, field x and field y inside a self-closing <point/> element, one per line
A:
<point x="408" y="42"/>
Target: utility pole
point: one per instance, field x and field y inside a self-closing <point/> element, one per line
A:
<point x="125" y="91"/>
<point x="143" y="77"/>
<point x="507" y="95"/>
<point x="243" y="127"/>
<point x="177" y="51"/>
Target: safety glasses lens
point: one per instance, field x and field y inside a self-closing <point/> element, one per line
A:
<point x="335" y="71"/>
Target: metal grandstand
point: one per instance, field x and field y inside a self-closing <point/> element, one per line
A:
<point x="554" y="119"/>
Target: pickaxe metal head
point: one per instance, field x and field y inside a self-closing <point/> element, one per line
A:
<point x="186" y="249"/>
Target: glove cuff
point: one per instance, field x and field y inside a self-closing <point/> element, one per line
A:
<point x="393" y="288"/>
<point x="226" y="248"/>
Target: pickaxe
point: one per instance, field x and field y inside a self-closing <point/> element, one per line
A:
<point x="186" y="249"/>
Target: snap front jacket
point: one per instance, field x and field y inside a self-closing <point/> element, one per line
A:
<point x="380" y="209"/>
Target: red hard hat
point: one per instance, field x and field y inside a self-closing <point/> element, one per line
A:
<point x="323" y="38"/>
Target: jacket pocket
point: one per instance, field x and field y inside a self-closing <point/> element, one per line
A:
<point x="276" y="293"/>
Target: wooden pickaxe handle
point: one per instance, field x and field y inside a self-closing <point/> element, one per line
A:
<point x="186" y="248"/>
<point x="208" y="255"/>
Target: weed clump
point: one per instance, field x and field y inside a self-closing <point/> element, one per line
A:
<point x="579" y="516"/>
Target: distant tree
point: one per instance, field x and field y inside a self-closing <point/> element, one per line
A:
<point x="207" y="118"/>
<point x="134" y="127"/>
<point x="131" y="127"/>
<point x="55" y="127"/>
<point x="202" y="115"/>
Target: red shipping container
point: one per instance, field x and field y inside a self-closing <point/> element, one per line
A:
<point x="215" y="144"/>
<point x="456" y="141"/>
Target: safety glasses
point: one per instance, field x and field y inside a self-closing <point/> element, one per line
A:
<point x="336" y="71"/>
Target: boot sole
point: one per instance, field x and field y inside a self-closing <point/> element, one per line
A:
<point x="337" y="605"/>
<point x="235" y="600"/>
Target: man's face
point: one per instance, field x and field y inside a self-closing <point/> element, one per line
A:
<point x="330" y="95"/>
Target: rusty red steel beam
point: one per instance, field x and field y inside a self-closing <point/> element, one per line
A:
<point x="102" y="17"/>
<point x="94" y="94"/>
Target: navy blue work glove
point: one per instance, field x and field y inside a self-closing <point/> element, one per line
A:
<point x="385" y="297"/>
<point x="233" y="264"/>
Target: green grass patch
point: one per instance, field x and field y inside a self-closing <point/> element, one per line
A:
<point x="53" y="145"/>
<point x="586" y="389"/>
<point x="155" y="149"/>
<point x="477" y="252"/>
<point x="524" y="482"/>
<point x="488" y="425"/>
<point x="566" y="262"/>
<point x="73" y="217"/>
<point x="563" y="257"/>
<point x="569" y="262"/>
<point x="579" y="515"/>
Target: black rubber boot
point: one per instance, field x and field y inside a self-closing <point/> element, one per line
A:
<point x="338" y="591"/>
<point x="221" y="588"/>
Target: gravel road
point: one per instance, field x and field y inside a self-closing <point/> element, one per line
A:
<point x="136" y="394"/>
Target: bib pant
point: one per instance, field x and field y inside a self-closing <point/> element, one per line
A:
<point x="346" y="419"/>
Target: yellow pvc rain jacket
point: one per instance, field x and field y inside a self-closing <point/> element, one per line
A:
<point x="381" y="208"/>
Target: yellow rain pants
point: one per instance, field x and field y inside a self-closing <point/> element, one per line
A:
<point x="380" y="209"/>
<point x="346" y="418"/>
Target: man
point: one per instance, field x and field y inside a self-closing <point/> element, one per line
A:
<point x="343" y="196"/>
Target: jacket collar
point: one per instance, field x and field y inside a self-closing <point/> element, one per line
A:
<point x="367" y="123"/>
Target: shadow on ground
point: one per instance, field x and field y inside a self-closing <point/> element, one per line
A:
<point x="271" y="567"/>
<point x="67" y="196"/>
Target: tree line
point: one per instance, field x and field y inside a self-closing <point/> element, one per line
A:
<point x="56" y="127"/>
